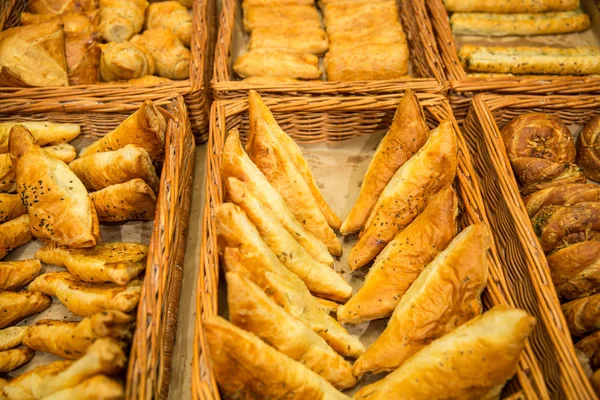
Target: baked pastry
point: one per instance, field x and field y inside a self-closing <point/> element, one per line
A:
<point x="595" y="381"/>
<point x="11" y="207"/>
<point x="101" y="170"/>
<point x="124" y="61"/>
<point x="14" y="274"/>
<point x="85" y="299"/>
<point x="107" y="387"/>
<point x="524" y="6"/>
<point x="19" y="305"/>
<point x="280" y="16"/>
<point x="278" y="2"/>
<point x="14" y="358"/>
<point x="590" y="346"/>
<point x="583" y="315"/>
<point x="61" y="6"/>
<point x="289" y="292"/>
<point x="33" y="55"/>
<point x="44" y="132"/>
<point x="588" y="153"/>
<point x="144" y="128"/>
<point x="270" y="80"/>
<point x="130" y="201"/>
<point x="261" y="118"/>
<point x="71" y="340"/>
<point x="537" y="174"/>
<point x="8" y="180"/>
<point x="146" y="80"/>
<point x="402" y="260"/>
<point x="63" y="152"/>
<point x="277" y="63"/>
<point x="121" y="19"/>
<point x="392" y="34"/>
<point x="83" y="58"/>
<point x="295" y="38"/>
<point x="561" y="195"/>
<point x="171" y="57"/>
<point x="58" y="204"/>
<point x="236" y="163"/>
<point x="320" y="279"/>
<point x="406" y="136"/>
<point x="107" y="262"/>
<point x="14" y="233"/>
<point x="330" y="306"/>
<point x="171" y="15"/>
<point x="575" y="269"/>
<point x="367" y="62"/>
<point x="472" y="362"/>
<point x="406" y="194"/>
<point x="12" y="337"/>
<point x="358" y="16"/>
<point x="73" y="21"/>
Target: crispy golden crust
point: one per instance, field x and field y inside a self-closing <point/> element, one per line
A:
<point x="14" y="233"/>
<point x="277" y="63"/>
<point x="44" y="132"/>
<point x="63" y="152"/>
<point x="171" y="57"/>
<point x="393" y="34"/>
<point x="11" y="207"/>
<point x="99" y="387"/>
<point x="58" y="7"/>
<point x="18" y="305"/>
<point x="367" y="62"/>
<point x="121" y="19"/>
<point x="561" y="195"/>
<point x="358" y="16"/>
<point x="125" y="61"/>
<point x="299" y="39"/>
<point x="8" y="180"/>
<point x="575" y="269"/>
<point x="14" y="358"/>
<point x="14" y="274"/>
<point x="83" y="58"/>
<point x="130" y="201"/>
<point x="583" y="315"/>
<point x="536" y="174"/>
<point x="171" y="15"/>
<point x="522" y="6"/>
<point x="588" y="152"/>
<point x="12" y="337"/>
<point x="277" y="16"/>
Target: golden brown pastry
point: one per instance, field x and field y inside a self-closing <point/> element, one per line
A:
<point x="130" y="201"/>
<point x="33" y="55"/>
<point x="588" y="152"/>
<point x="171" y="57"/>
<point x="523" y="6"/>
<point x="14" y="233"/>
<point x="269" y="80"/>
<point x="14" y="358"/>
<point x="144" y="128"/>
<point x="561" y="195"/>
<point x="345" y="40"/>
<point x="472" y="362"/>
<point x="595" y="381"/>
<point x="18" y="305"/>
<point x="590" y="346"/>
<point x="107" y="262"/>
<point x="11" y="207"/>
<point x="12" y="337"/>
<point x="295" y="38"/>
<point x="125" y="60"/>
<point x="63" y="152"/>
<point x="96" y="387"/>
<point x="575" y="269"/>
<point x="121" y="19"/>
<point x="277" y="2"/>
<point x="58" y="204"/>
<point x="406" y="136"/>
<point x="146" y="80"/>
<point x="330" y="306"/>
<point x="252" y="310"/>
<point x="73" y="21"/>
<point x="402" y="260"/>
<point x="61" y="6"/>
<point x="71" y="340"/>
<point x="406" y="194"/>
<point x="236" y="163"/>
<point x="173" y="16"/>
<point x="583" y="315"/>
<point x="246" y="367"/>
<point x="537" y="174"/>
<point x="21" y="387"/>
<point x="83" y="58"/>
<point x="86" y="299"/>
<point x="44" y="132"/>
<point x="14" y="274"/>
<point x="367" y="62"/>
<point x="101" y="170"/>
<point x="277" y="63"/>
<point x="280" y="16"/>
<point x="357" y="16"/>
<point x="8" y="181"/>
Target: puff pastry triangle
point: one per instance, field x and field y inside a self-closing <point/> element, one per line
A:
<point x="44" y="132"/>
<point x="14" y="233"/>
<point x="130" y="201"/>
<point x="89" y="388"/>
<point x="14" y="274"/>
<point x="19" y="305"/>
<point x="63" y="152"/>
<point x="14" y="358"/>
<point x="11" y="207"/>
<point x="12" y="337"/>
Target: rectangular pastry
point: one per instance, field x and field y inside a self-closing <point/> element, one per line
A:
<point x="300" y="39"/>
<point x="357" y="16"/>
<point x="367" y="62"/>
<point x="521" y="6"/>
<point x="276" y="17"/>
<point x="280" y="63"/>
<point x="374" y="35"/>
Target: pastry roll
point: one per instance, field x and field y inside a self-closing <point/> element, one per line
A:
<point x="561" y="195"/>
<point x="543" y="174"/>
<point x="14" y="358"/>
<point x="171" y="58"/>
<point x="14" y="233"/>
<point x="121" y="19"/>
<point x="125" y="60"/>
<point x="173" y="16"/>
<point x="374" y="35"/>
<point x="83" y="58"/>
<point x="58" y="204"/>
<point x="11" y="207"/>
<point x="269" y="80"/>
<point x="367" y="62"/>
<point x="583" y="315"/>
<point x="74" y="22"/>
<point x="270" y="3"/>
<point x="277" y="63"/>
<point x="357" y="16"/>
<point x="44" y="132"/>
<point x="86" y="299"/>
<point x="522" y="6"/>
<point x="588" y="155"/>
<point x="14" y="274"/>
<point x="101" y="170"/>
<point x="280" y="16"/>
<point x="130" y="201"/>
<point x="19" y="305"/>
<point x="107" y="262"/>
<point x="423" y="175"/>
<point x="590" y="346"/>
<point x="108" y="388"/>
<point x="298" y="39"/>
<point x="22" y="49"/>
<point x="61" y="6"/>
<point x="8" y="180"/>
<point x="12" y="337"/>
<point x="236" y="163"/>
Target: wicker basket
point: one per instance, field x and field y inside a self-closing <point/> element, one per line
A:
<point x="425" y="61"/>
<point x="150" y="358"/>
<point x="522" y="254"/>
<point x="305" y="120"/>
<point x="107" y="98"/>
<point x="463" y="88"/>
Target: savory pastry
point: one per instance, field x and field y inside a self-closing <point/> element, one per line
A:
<point x="367" y="62"/>
<point x="71" y="340"/>
<point x="252" y="310"/>
<point x="590" y="346"/>
<point x="11" y="207"/>
<point x="8" y="180"/>
<point x="63" y="152"/>
<point x="24" y="47"/>
<point x="73" y="21"/>
<point x="261" y="118"/>
<point x="246" y="367"/>
<point x="121" y="19"/>
<point x="146" y="80"/>
<point x="575" y="269"/>
<point x="18" y="305"/>
<point x="595" y="381"/>
<point x="101" y="170"/>
<point x="14" y="358"/>
<point x="107" y="262"/>
<point x="14" y="233"/>
<point x="295" y="38"/>
<point x="269" y="80"/>
<point x="61" y="6"/>
<point x="493" y="24"/>
<point x="472" y="362"/>
<point x="407" y="134"/>
<point x="345" y="40"/>
<point x="236" y="163"/>
<point x="358" y="16"/>
<point x="583" y="315"/>
<point x="58" y="204"/>
<point x="14" y="274"/>
<point x="130" y="201"/>
<point x="406" y="194"/>
<point x="144" y="128"/>
<point x="537" y="174"/>
<point x="280" y="16"/>
<point x="277" y="63"/>
<point x="278" y="2"/>
<point x="98" y="385"/>
<point x="86" y="299"/>
<point x="522" y="6"/>
<point x="330" y="306"/>
<point x="173" y="16"/>
<point x="588" y="153"/>
<point x="44" y="132"/>
<point x="12" y="337"/>
<point x="171" y="57"/>
<point x="402" y="260"/>
<point x="83" y="58"/>
<point x="561" y="195"/>
<point x="125" y="60"/>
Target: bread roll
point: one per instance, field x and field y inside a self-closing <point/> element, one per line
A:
<point x="588" y="149"/>
<point x="172" y="16"/>
<point x="583" y="315"/>
<point x="121" y="19"/>
<point x="61" y="6"/>
<point x="125" y="61"/>
<point x="521" y="6"/>
<point x="171" y="58"/>
<point x="575" y="269"/>
<point x="277" y="63"/>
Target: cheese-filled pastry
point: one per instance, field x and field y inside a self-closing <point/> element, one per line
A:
<point x="236" y="163"/>
<point x="406" y="194"/>
<point x="124" y="61"/>
<point x="14" y="274"/>
<point x="73" y="21"/>
<point x="101" y="170"/>
<point x="83" y="58"/>
<point x="58" y="203"/>
<point x="277" y="62"/>
<point x="130" y="201"/>
<point x="367" y="62"/>
<point x="14" y="358"/>
<point x="280" y="16"/>
<point x="71" y="340"/>
<point x="300" y="39"/>
<point x="561" y="195"/>
<point x="358" y="16"/>
<point x="472" y="362"/>
<point x="98" y="386"/>
<point x="523" y="6"/>
<point x="11" y="207"/>
<point x="14" y="233"/>
<point x="8" y="180"/>
<point x="44" y="132"/>
<point x="58" y="7"/>
<point x="171" y="57"/>
<point x="173" y="16"/>
<point x="63" y="152"/>
<point x="16" y="306"/>
<point x="144" y="128"/>
<point x="246" y="367"/>
<point x="85" y="299"/>
<point x="121" y="19"/>
<point x="12" y="337"/>
<point x="407" y="134"/>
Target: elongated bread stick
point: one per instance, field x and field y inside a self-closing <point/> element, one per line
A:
<point x="515" y="6"/>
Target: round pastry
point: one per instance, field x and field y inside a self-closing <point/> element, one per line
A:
<point x="588" y="149"/>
